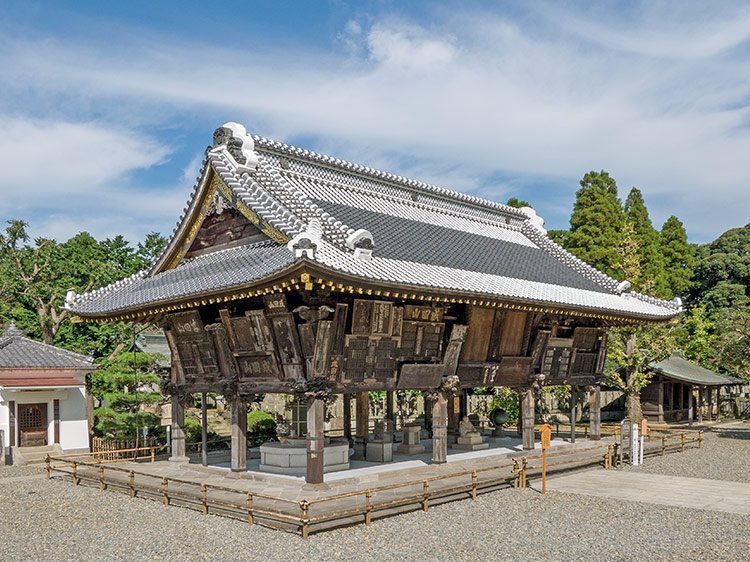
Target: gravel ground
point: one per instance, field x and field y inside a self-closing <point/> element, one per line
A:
<point x="725" y="456"/>
<point x="58" y="521"/>
<point x="15" y="471"/>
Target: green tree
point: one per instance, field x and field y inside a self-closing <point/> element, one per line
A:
<point x="678" y="256"/>
<point x="651" y="277"/>
<point x="125" y="384"/>
<point x="632" y="349"/>
<point x="733" y="341"/>
<point x="596" y="223"/>
<point x="695" y="337"/>
<point x="514" y="202"/>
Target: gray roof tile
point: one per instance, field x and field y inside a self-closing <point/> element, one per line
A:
<point x="18" y="352"/>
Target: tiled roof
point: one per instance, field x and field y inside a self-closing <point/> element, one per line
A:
<point x="679" y="368"/>
<point x="18" y="352"/>
<point x="423" y="236"/>
<point x="40" y="382"/>
<point x="234" y="267"/>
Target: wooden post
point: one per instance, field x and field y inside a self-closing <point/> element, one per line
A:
<point x="204" y="498"/>
<point x="718" y="403"/>
<point x="204" y="430"/>
<point x="361" y="423"/>
<point x="710" y="404"/>
<point x="250" y="509"/>
<point x="347" y="400"/>
<point x="315" y="441"/>
<point x="440" y="429"/>
<point x="425" y="495"/>
<point x="691" y="412"/>
<point x="389" y="410"/>
<point x="178" y="432"/>
<point x="239" y="435"/>
<point x="700" y="404"/>
<point x="595" y="412"/>
<point x="528" y="418"/>
<point x="368" y="506"/>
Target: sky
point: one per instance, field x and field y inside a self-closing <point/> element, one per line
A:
<point x="106" y="108"/>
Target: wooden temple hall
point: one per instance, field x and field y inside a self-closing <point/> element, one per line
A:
<point x="297" y="273"/>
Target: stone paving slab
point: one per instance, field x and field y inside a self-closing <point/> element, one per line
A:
<point x="696" y="493"/>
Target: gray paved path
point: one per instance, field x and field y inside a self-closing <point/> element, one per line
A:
<point x="697" y="493"/>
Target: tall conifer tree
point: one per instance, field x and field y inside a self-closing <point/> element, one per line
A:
<point x="595" y="225"/>
<point x="678" y="256"/>
<point x="650" y="279"/>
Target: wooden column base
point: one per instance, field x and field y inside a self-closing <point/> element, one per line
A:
<point x="315" y="442"/>
<point x="440" y="430"/>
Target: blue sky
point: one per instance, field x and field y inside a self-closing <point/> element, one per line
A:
<point x="106" y="108"/>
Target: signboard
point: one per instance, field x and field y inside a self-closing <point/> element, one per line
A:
<point x="166" y="414"/>
<point x="546" y="435"/>
<point x="626" y="438"/>
<point x="644" y="427"/>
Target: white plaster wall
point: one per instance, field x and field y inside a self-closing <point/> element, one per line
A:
<point x="73" y="426"/>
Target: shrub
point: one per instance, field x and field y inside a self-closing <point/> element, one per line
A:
<point x="508" y="401"/>
<point x="260" y="422"/>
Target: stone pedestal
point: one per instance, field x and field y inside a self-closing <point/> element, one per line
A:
<point x="411" y="444"/>
<point x="291" y="458"/>
<point x="471" y="442"/>
<point x="379" y="452"/>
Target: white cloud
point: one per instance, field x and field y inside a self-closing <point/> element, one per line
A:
<point x="660" y="103"/>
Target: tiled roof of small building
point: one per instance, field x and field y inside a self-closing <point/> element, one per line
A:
<point x="371" y="225"/>
<point x="18" y="352"/>
<point x="679" y="368"/>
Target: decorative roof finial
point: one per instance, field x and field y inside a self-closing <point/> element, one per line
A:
<point x="239" y="145"/>
<point x="12" y="331"/>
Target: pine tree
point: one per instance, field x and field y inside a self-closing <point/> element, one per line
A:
<point x="651" y="277"/>
<point x="678" y="257"/>
<point x="595" y="225"/>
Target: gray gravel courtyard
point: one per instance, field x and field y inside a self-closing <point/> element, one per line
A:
<point x="57" y="521"/>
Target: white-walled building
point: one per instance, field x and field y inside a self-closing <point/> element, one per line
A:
<point x="42" y="394"/>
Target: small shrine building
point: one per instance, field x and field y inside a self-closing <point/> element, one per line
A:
<point x="42" y="396"/>
<point x="670" y="396"/>
<point x="298" y="273"/>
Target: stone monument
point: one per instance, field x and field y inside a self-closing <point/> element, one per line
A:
<point x="380" y="448"/>
<point x="411" y="444"/>
<point x="469" y="438"/>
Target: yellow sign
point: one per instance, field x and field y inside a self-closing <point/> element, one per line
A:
<point x="644" y="427"/>
<point x="546" y="435"/>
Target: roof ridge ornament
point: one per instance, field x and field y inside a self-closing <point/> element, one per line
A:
<point x="535" y="220"/>
<point x="239" y="145"/>
<point x="12" y="331"/>
<point x="361" y="242"/>
<point x="306" y="242"/>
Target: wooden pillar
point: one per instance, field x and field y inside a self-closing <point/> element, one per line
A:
<point x="315" y="441"/>
<point x="700" y="404"/>
<point x="528" y="419"/>
<point x="718" y="403"/>
<point x="595" y="412"/>
<point x="454" y="412"/>
<point x="691" y="411"/>
<point x="347" y="399"/>
<point x="178" y="432"/>
<point x="440" y="429"/>
<point x="12" y="423"/>
<point x="56" y="418"/>
<point x="710" y="403"/>
<point x="660" y="406"/>
<point x="239" y="435"/>
<point x="362" y="422"/>
<point x="389" y="410"/>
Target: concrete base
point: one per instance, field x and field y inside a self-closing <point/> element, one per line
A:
<point x="280" y="458"/>
<point x="360" y="450"/>
<point x="380" y="452"/>
<point x="406" y="449"/>
<point x="470" y="446"/>
<point x="175" y="462"/>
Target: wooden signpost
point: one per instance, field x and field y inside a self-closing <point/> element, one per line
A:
<point x="546" y="435"/>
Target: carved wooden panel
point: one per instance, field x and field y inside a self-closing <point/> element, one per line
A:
<point x="287" y="344"/>
<point x="195" y="347"/>
<point x="257" y="365"/>
<point x="584" y="363"/>
<point x="480" y="330"/>
<point x="586" y="339"/>
<point x="338" y="335"/>
<point x="307" y="340"/>
<point x="187" y="325"/>
<point x="602" y="354"/>
<point x="370" y="358"/>
<point x="275" y="303"/>
<point x="422" y="340"/>
<point x="494" y="353"/>
<point x="362" y="317"/>
<point x="260" y="330"/>
<point x="557" y="356"/>
<point x="398" y="317"/>
<point x="539" y="347"/>
<point x="382" y="318"/>
<point x="321" y="348"/>
<point x="420" y="376"/>
<point x="424" y="313"/>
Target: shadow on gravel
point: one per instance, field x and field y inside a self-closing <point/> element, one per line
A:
<point x="732" y="433"/>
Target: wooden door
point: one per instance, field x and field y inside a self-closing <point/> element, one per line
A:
<point x="32" y="425"/>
